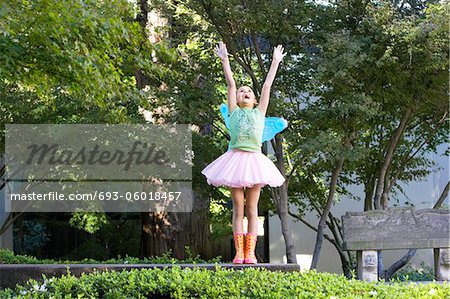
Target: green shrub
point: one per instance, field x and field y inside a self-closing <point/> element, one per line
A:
<point x="409" y="273"/>
<point x="90" y="249"/>
<point x="35" y="236"/>
<point x="222" y="283"/>
<point x="8" y="257"/>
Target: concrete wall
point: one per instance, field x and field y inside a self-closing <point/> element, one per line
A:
<point x="422" y="194"/>
<point x="6" y="239"/>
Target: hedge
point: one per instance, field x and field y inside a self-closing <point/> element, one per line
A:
<point x="221" y="283"/>
<point x="7" y="256"/>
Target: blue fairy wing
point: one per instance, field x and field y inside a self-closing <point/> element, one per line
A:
<point x="224" y="112"/>
<point x="226" y="118"/>
<point x="272" y="126"/>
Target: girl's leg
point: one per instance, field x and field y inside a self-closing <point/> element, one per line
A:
<point x="237" y="195"/>
<point x="251" y="209"/>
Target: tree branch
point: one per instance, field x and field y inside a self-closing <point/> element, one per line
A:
<point x="390" y="148"/>
<point x="443" y="196"/>
<point x="406" y="161"/>
<point x="258" y="54"/>
<point x="312" y="227"/>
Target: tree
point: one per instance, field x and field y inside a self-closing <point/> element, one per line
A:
<point x="71" y="62"/>
<point x="386" y="74"/>
<point x="173" y="231"/>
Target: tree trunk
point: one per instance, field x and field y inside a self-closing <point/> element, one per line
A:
<point x="281" y="200"/>
<point x="369" y="190"/>
<point x="326" y="211"/>
<point x="20" y="235"/>
<point x="347" y="261"/>
<point x="163" y="232"/>
<point x="390" y="148"/>
<point x="380" y="199"/>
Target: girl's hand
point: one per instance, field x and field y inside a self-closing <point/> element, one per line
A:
<point x="221" y="51"/>
<point x="278" y="54"/>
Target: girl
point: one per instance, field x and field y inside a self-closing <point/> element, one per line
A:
<point x="243" y="168"/>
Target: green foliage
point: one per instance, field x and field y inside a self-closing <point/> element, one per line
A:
<point x="362" y="72"/>
<point x="73" y="62"/>
<point x="8" y="257"/>
<point x="220" y="217"/>
<point x="352" y="70"/>
<point x="410" y="273"/>
<point x="90" y="249"/>
<point x="222" y="283"/>
<point x="90" y="222"/>
<point x="35" y="235"/>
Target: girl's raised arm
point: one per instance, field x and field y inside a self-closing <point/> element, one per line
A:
<point x="221" y="51"/>
<point x="265" y="92"/>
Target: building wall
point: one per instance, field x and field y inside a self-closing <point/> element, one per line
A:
<point x="422" y="194"/>
<point x="6" y="239"/>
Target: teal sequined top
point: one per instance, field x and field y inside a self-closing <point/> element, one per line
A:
<point x="246" y="129"/>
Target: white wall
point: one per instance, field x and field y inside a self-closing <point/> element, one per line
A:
<point x="423" y="195"/>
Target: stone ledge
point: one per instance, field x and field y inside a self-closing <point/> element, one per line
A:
<point x="396" y="244"/>
<point x="420" y="282"/>
<point x="12" y="274"/>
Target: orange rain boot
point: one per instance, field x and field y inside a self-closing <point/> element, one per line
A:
<point x="239" y="245"/>
<point x="249" y="251"/>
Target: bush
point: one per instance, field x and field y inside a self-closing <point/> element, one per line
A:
<point x="409" y="273"/>
<point x="8" y="257"/>
<point x="90" y="249"/>
<point x="35" y="236"/>
<point x="222" y="283"/>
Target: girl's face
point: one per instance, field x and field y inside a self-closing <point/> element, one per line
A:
<point x="245" y="97"/>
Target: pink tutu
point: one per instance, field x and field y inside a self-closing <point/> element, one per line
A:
<point x="238" y="169"/>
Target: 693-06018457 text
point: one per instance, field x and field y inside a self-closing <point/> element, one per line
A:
<point x="129" y="196"/>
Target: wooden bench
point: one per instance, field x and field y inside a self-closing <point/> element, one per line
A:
<point x="397" y="228"/>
